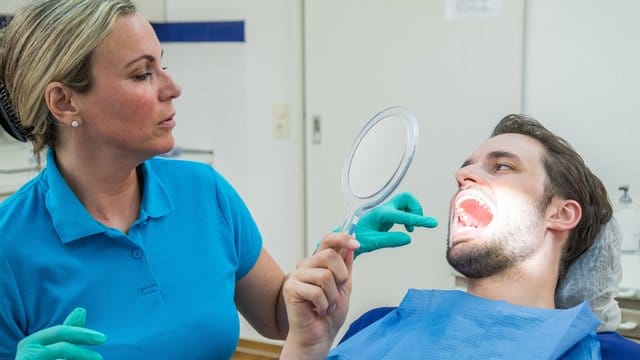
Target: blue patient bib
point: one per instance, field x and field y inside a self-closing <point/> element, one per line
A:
<point x="436" y="324"/>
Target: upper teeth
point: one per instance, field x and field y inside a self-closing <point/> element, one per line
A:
<point x="462" y="214"/>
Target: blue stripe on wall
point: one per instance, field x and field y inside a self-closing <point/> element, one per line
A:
<point x="218" y="31"/>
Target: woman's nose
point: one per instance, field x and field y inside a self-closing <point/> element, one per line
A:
<point x="171" y="89"/>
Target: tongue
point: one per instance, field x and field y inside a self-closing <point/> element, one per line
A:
<point x="479" y="215"/>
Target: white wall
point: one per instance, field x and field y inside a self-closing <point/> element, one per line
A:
<point x="581" y="79"/>
<point x="9" y="6"/>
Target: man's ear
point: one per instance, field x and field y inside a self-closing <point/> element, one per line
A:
<point x="563" y="214"/>
<point x="60" y="100"/>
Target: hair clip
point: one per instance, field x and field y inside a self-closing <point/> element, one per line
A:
<point x="8" y="118"/>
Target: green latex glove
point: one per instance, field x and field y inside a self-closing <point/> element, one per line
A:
<point x="372" y="230"/>
<point x="62" y="341"/>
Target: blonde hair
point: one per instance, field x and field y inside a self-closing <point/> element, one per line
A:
<point x="52" y="40"/>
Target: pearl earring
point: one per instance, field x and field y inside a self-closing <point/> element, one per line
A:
<point x="75" y="124"/>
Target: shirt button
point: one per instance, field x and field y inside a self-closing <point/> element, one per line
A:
<point x="137" y="254"/>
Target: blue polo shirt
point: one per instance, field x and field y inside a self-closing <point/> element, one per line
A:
<point x="165" y="290"/>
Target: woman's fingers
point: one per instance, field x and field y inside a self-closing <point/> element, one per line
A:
<point x="305" y="293"/>
<point x="64" y="350"/>
<point x="317" y="286"/>
<point x="348" y="260"/>
<point x="317" y="296"/>
<point x="68" y="334"/>
<point x="328" y="259"/>
<point x="338" y="241"/>
<point x="319" y="279"/>
<point x="77" y="317"/>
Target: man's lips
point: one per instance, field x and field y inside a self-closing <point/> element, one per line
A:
<point x="461" y="233"/>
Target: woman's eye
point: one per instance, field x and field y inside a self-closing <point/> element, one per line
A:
<point x="143" y="77"/>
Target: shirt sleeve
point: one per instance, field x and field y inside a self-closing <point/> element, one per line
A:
<point x="246" y="236"/>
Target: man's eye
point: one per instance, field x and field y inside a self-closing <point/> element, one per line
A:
<point x="500" y="167"/>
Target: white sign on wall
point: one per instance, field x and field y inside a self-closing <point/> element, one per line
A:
<point x="472" y="9"/>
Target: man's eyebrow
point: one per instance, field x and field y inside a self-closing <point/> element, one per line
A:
<point x="494" y="155"/>
<point x="502" y="154"/>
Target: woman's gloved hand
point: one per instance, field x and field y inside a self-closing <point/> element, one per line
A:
<point x="62" y="341"/>
<point x="372" y="230"/>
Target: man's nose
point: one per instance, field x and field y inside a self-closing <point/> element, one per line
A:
<point x="468" y="174"/>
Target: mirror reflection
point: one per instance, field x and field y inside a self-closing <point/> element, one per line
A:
<point x="377" y="157"/>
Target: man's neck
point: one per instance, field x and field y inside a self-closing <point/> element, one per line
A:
<point x="531" y="283"/>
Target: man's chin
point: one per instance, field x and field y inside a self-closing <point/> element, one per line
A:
<point x="476" y="262"/>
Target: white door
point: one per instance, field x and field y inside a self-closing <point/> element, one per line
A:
<point x="459" y="75"/>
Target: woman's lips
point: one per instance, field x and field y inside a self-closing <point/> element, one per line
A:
<point x="169" y="122"/>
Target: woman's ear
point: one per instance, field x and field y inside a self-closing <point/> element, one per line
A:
<point x="60" y="102"/>
<point x="563" y="214"/>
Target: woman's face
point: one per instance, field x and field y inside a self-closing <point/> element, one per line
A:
<point x="129" y="109"/>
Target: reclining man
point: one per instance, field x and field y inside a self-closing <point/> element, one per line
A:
<point x="527" y="224"/>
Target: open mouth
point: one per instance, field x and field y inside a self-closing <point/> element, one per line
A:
<point x="472" y="210"/>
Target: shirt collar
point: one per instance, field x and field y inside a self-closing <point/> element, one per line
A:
<point x="71" y="219"/>
<point x="156" y="201"/>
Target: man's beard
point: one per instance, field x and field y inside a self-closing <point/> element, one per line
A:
<point x="502" y="251"/>
<point x="481" y="261"/>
